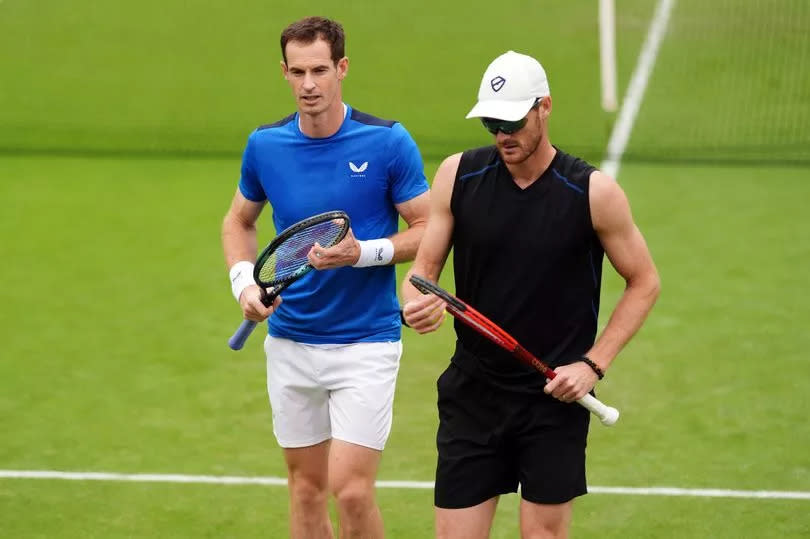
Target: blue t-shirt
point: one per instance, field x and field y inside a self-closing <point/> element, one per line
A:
<point x="364" y="169"/>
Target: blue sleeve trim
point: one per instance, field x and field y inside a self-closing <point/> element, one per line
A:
<point x="412" y="194"/>
<point x="368" y="119"/>
<point x="477" y="172"/>
<point x="250" y="196"/>
<point x="593" y="268"/>
<point x="568" y="183"/>
<point x="281" y="122"/>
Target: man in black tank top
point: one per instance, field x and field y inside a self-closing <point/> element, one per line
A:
<point x="529" y="225"/>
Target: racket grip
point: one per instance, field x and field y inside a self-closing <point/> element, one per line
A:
<point x="237" y="341"/>
<point x="606" y="414"/>
<point x="269" y="297"/>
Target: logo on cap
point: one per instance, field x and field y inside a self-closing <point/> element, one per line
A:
<point x="497" y="83"/>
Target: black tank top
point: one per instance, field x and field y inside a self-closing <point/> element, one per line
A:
<point x="529" y="260"/>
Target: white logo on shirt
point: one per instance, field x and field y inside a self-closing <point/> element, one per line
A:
<point x="361" y="168"/>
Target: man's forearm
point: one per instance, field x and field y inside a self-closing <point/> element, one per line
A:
<point x="406" y="243"/>
<point x="626" y="319"/>
<point x="238" y="241"/>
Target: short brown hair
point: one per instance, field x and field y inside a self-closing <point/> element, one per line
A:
<point x="308" y="30"/>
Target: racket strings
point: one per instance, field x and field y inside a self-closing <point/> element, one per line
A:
<point x="291" y="255"/>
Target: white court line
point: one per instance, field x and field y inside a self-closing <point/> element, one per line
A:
<point x="635" y="91"/>
<point x="280" y="481"/>
<point x="702" y="492"/>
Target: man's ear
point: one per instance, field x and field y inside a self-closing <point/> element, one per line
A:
<point x="546" y="107"/>
<point x="342" y="68"/>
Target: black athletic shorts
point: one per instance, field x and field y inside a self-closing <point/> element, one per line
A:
<point x="491" y="440"/>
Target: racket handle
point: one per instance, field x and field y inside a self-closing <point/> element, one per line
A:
<point x="237" y="341"/>
<point x="269" y="297"/>
<point x="606" y="414"/>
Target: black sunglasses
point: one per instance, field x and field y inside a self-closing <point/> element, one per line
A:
<point x="493" y="125"/>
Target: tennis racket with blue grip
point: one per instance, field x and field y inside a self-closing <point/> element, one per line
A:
<point x="284" y="260"/>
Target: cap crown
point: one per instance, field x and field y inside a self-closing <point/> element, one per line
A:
<point x="513" y="77"/>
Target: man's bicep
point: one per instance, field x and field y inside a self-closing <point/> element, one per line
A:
<point x="416" y="210"/>
<point x="623" y="242"/>
<point x="243" y="210"/>
<point x="438" y="236"/>
<point x="628" y="253"/>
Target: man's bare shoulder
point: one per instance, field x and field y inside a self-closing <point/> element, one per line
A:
<point x="447" y="170"/>
<point x="609" y="204"/>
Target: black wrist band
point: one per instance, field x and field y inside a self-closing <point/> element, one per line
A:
<point x="592" y="365"/>
<point x="402" y="319"/>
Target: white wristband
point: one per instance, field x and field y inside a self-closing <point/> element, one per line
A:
<point x="241" y="275"/>
<point x="375" y="253"/>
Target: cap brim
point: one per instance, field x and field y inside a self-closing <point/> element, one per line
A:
<point x="501" y="110"/>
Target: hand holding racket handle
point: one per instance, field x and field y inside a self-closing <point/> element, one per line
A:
<point x="487" y="328"/>
<point x="237" y="341"/>
<point x="284" y="260"/>
<point x="606" y="414"/>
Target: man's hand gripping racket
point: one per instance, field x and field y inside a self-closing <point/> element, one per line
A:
<point x="284" y="260"/>
<point x="480" y="323"/>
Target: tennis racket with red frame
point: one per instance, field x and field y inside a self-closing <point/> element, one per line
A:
<point x="483" y="325"/>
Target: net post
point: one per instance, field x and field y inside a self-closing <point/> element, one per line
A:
<point x="607" y="53"/>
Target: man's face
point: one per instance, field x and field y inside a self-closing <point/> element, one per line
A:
<point x="313" y="76"/>
<point x="515" y="148"/>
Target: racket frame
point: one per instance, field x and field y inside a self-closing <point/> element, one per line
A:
<point x="487" y="328"/>
<point x="276" y="286"/>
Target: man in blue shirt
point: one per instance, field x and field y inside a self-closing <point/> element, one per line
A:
<point x="334" y="345"/>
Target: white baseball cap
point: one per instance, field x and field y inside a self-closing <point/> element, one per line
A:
<point x="510" y="86"/>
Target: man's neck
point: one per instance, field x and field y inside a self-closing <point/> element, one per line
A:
<point x="526" y="173"/>
<point x="324" y="124"/>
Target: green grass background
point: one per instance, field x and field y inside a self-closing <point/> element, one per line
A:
<point x="121" y="127"/>
<point x="195" y="77"/>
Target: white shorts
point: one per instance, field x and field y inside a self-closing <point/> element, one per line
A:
<point x="341" y="391"/>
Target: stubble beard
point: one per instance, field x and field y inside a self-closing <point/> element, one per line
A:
<point x="526" y="152"/>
